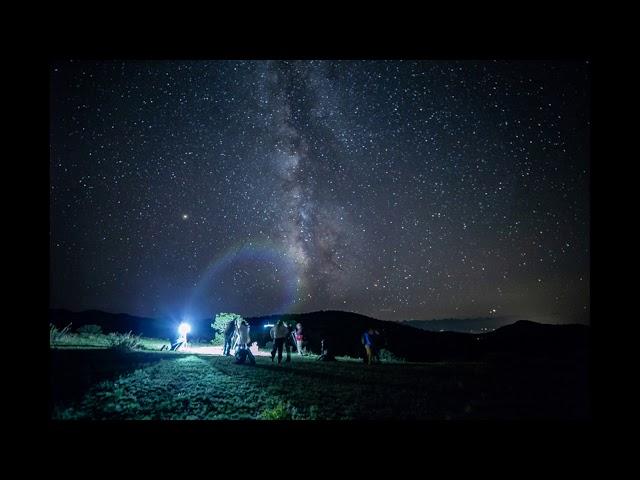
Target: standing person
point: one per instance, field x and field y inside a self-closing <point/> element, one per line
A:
<point x="235" y="342"/>
<point x="278" y="333"/>
<point x="243" y="335"/>
<point x="229" y="332"/>
<point x="299" y="338"/>
<point x="369" y="345"/>
<point x="243" y="352"/>
<point x="288" y="342"/>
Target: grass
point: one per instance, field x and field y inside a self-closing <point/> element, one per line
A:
<point x="101" y="341"/>
<point x="102" y="384"/>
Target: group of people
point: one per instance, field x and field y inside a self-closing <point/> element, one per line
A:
<point x="283" y="337"/>
<point x="236" y="335"/>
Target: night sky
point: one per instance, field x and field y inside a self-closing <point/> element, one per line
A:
<point x="395" y="189"/>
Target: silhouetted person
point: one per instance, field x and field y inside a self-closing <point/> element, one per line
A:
<point x="299" y="338"/>
<point x="289" y="341"/>
<point x="229" y="332"/>
<point x="325" y="354"/>
<point x="278" y="333"/>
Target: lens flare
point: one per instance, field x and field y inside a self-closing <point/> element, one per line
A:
<point x="184" y="328"/>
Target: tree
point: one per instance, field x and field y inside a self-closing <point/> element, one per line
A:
<point x="219" y="325"/>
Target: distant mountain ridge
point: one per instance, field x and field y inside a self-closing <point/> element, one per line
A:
<point x="342" y="333"/>
<point x="465" y="325"/>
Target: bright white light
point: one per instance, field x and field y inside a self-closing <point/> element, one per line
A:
<point x="184" y="328"/>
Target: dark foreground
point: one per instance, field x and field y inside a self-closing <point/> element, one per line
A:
<point x="100" y="384"/>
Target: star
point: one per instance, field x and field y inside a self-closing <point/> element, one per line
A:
<point x="398" y="189"/>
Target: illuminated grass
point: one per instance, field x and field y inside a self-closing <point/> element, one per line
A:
<point x="177" y="386"/>
<point x="181" y="389"/>
<point x="88" y="340"/>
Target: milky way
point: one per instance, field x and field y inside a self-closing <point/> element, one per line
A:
<point x="397" y="189"/>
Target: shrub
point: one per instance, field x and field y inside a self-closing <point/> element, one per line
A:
<point x="281" y="411"/>
<point x="388" y="356"/>
<point x="286" y="411"/>
<point x="123" y="341"/>
<point x="90" y="329"/>
<point x="56" y="335"/>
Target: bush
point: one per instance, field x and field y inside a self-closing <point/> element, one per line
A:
<point x="281" y="411"/>
<point x="388" y="356"/>
<point x="56" y="335"/>
<point x="90" y="329"/>
<point x="123" y="341"/>
<point x="286" y="411"/>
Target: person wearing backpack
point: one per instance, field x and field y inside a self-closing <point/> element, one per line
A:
<point x="368" y="342"/>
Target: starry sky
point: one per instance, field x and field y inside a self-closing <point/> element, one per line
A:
<point x="396" y="189"/>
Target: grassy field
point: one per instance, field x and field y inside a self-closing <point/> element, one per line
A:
<point x="107" y="384"/>
<point x="87" y="340"/>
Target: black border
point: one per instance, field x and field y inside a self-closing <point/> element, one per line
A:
<point x="422" y="441"/>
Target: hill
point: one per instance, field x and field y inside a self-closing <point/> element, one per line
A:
<point x="463" y="325"/>
<point x="342" y="331"/>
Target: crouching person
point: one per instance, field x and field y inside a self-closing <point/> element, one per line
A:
<point x="244" y="354"/>
<point x="325" y="355"/>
